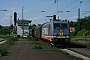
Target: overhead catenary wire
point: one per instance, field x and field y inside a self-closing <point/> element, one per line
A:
<point x="67" y="0"/>
<point x="69" y="5"/>
<point x="56" y="2"/>
<point x="71" y="2"/>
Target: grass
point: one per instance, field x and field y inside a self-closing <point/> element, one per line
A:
<point x="85" y="42"/>
<point x="35" y="42"/>
<point x="5" y="36"/>
<point x="78" y="36"/>
<point x="32" y="39"/>
<point x="10" y="41"/>
<point x="3" y="51"/>
<point x="53" y="49"/>
<point x="38" y="47"/>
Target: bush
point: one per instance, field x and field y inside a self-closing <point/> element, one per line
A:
<point x="5" y="36"/>
<point x="38" y="47"/>
<point x="29" y="38"/>
<point x="3" y="51"/>
<point x="35" y="39"/>
<point x="32" y="39"/>
<point x="82" y="32"/>
<point x="11" y="41"/>
<point x="73" y="33"/>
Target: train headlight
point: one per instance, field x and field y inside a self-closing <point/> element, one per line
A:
<point x="61" y="34"/>
<point x="60" y="30"/>
<point x="67" y="36"/>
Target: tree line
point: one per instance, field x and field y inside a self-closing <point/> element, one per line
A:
<point x="4" y="30"/>
<point x="82" y="27"/>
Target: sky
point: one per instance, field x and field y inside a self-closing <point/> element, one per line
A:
<point x="32" y="10"/>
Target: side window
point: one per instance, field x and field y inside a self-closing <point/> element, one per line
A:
<point x="45" y="31"/>
<point x="19" y="24"/>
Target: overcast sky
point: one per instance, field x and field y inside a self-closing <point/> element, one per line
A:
<point x="33" y="8"/>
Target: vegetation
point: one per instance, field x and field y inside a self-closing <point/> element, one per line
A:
<point x="84" y="29"/>
<point x="4" y="30"/>
<point x="10" y="41"/>
<point x="29" y="38"/>
<point x="32" y="39"/>
<point x="85" y="42"/>
<point x="30" y="27"/>
<point x="6" y="36"/>
<point x="3" y="51"/>
<point x="38" y="47"/>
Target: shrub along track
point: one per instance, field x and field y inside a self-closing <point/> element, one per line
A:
<point x="5" y="44"/>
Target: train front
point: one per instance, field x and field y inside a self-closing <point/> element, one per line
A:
<point x="61" y="33"/>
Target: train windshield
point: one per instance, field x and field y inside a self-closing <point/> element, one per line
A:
<point x="56" y="25"/>
<point x="60" y="25"/>
<point x="63" y="25"/>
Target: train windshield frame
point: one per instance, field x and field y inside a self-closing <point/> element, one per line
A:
<point x="60" y="25"/>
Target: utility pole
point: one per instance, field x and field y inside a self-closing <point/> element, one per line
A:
<point x="22" y="23"/>
<point x="10" y="20"/>
<point x="79" y="28"/>
<point x="10" y="24"/>
<point x="79" y="19"/>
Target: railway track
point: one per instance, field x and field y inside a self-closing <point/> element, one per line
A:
<point x="73" y="53"/>
<point x="77" y="50"/>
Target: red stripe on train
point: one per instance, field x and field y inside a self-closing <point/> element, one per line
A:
<point x="47" y="38"/>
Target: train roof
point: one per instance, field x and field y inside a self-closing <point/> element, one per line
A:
<point x="24" y="20"/>
<point x="56" y="21"/>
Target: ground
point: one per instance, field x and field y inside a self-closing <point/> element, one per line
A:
<point x="33" y="50"/>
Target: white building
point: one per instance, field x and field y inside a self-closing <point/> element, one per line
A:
<point x="23" y="27"/>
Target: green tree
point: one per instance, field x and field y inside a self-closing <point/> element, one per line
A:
<point x="5" y="31"/>
<point x="84" y="26"/>
<point x="71" y="23"/>
<point x="0" y="27"/>
<point x="30" y="27"/>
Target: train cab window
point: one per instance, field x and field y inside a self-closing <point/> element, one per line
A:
<point x="56" y="25"/>
<point x="63" y="25"/>
<point x="59" y="26"/>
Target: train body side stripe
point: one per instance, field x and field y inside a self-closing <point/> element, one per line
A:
<point x="47" y="37"/>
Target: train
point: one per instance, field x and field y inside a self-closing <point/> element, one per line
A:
<point x="56" y="31"/>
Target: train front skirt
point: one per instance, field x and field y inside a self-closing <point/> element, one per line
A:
<point x="57" y="39"/>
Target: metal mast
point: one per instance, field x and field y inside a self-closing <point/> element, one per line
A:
<point x="22" y="22"/>
<point x="79" y="19"/>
